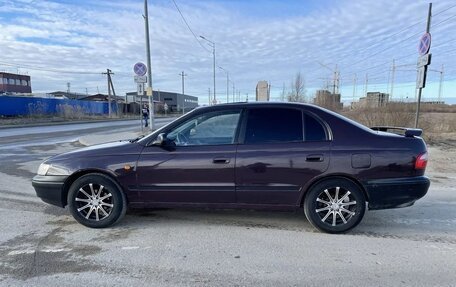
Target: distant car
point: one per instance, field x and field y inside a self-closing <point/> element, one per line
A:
<point x="271" y="156"/>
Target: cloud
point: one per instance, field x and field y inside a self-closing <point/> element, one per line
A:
<point x="252" y="42"/>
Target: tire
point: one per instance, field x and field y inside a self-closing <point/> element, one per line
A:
<point x="335" y="205"/>
<point x="96" y="201"/>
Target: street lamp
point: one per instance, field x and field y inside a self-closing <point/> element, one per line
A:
<point x="227" y="82"/>
<point x="212" y="44"/>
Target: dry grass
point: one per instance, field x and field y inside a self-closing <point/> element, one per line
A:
<point x="438" y="123"/>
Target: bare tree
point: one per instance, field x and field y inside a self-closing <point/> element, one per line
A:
<point x="298" y="89"/>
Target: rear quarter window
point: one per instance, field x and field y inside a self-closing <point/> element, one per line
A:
<point x="313" y="129"/>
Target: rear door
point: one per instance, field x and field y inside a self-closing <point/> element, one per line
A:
<point x="281" y="149"/>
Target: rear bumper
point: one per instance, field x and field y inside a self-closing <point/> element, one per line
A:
<point x="50" y="189"/>
<point x="395" y="192"/>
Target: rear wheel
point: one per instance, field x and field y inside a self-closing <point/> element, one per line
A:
<point x="96" y="201"/>
<point x="335" y="205"/>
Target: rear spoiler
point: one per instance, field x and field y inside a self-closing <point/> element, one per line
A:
<point x="408" y="132"/>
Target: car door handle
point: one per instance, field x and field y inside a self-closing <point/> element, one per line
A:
<point x="315" y="158"/>
<point x="221" y="160"/>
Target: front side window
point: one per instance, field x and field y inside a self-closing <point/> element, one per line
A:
<point x="214" y="128"/>
<point x="273" y="125"/>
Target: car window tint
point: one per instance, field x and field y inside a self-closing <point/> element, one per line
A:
<point x="270" y="125"/>
<point x="314" y="130"/>
<point x="208" y="129"/>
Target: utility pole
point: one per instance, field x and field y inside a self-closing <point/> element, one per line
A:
<point x="365" y="85"/>
<point x="354" y="88"/>
<point x="209" y="90"/>
<point x="108" y="74"/>
<point x="150" y="92"/>
<point x="183" y="91"/>
<point x="227" y="82"/>
<point x="335" y="86"/>
<point x="233" y="93"/>
<point x="68" y="87"/>
<point x="440" y="85"/>
<point x="418" y="103"/>
<point x="212" y="44"/>
<point x="393" y="72"/>
<point x="336" y="81"/>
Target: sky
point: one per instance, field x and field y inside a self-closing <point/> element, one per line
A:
<point x="68" y="41"/>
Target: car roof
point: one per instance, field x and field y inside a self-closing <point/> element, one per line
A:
<point x="260" y="104"/>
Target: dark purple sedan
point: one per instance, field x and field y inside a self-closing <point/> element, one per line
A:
<point x="272" y="156"/>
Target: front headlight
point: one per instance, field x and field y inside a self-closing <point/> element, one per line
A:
<point x="43" y="169"/>
<point x="49" y="169"/>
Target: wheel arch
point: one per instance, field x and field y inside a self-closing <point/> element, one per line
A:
<point x="73" y="177"/>
<point x="316" y="181"/>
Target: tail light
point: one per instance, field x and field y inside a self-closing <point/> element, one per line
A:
<point x="421" y="161"/>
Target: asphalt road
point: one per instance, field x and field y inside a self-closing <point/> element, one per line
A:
<point x="41" y="245"/>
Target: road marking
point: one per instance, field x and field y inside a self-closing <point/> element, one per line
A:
<point x="31" y="251"/>
<point x="130" y="247"/>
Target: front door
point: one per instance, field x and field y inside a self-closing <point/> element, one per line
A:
<point x="198" y="168"/>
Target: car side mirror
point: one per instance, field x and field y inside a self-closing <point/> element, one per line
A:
<point x="160" y="140"/>
<point x="163" y="141"/>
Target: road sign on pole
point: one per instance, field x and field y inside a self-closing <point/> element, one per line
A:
<point x="140" y="69"/>
<point x="140" y="79"/>
<point x="425" y="44"/>
<point x="421" y="77"/>
<point x="424" y="60"/>
<point x="140" y="89"/>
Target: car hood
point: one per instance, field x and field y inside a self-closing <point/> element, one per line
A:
<point x="107" y="149"/>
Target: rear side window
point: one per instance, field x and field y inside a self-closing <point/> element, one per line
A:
<point x="313" y="129"/>
<point x="273" y="125"/>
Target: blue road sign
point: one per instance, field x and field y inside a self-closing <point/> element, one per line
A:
<point x="140" y="69"/>
<point x="425" y="44"/>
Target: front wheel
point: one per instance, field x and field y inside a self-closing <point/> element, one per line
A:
<point x="335" y="205"/>
<point x="97" y="201"/>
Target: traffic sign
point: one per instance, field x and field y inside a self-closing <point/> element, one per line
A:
<point x="425" y="44"/>
<point x="140" y="89"/>
<point x="424" y="60"/>
<point x="140" y="69"/>
<point x="421" y="77"/>
<point x="149" y="91"/>
<point x="140" y="79"/>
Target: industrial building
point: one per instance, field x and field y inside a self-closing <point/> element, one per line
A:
<point x="262" y="91"/>
<point x="174" y="101"/>
<point x="326" y="99"/>
<point x="374" y="100"/>
<point x="14" y="84"/>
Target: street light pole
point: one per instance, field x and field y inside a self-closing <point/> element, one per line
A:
<point x="227" y="84"/>
<point x="183" y="91"/>
<point x="212" y="44"/>
<point x="149" y="69"/>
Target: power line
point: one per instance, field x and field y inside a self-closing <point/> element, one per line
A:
<point x="188" y="26"/>
<point x="403" y="40"/>
<point x="47" y="70"/>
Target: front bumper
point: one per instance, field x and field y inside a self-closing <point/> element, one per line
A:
<point x="50" y="188"/>
<point x="395" y="192"/>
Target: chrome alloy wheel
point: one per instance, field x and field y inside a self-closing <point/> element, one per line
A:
<point x="335" y="206"/>
<point x="94" y="202"/>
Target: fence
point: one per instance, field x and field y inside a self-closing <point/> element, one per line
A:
<point x="21" y="106"/>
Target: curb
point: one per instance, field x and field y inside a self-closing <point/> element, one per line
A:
<point x="56" y="123"/>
